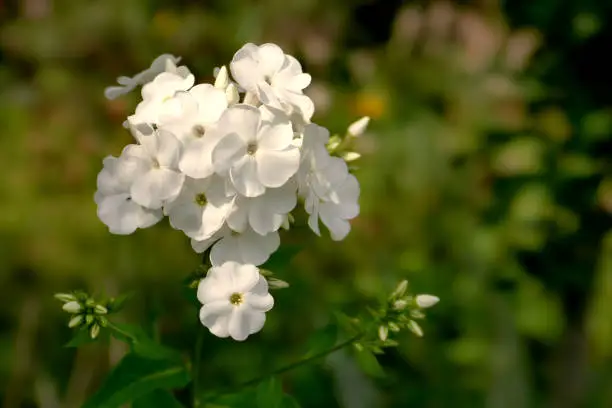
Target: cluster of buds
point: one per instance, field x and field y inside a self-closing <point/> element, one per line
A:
<point x="400" y="312"/>
<point x="344" y="146"/>
<point x="85" y="311"/>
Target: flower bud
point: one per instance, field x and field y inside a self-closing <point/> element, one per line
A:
<point x="72" y="307"/>
<point x="274" y="283"/>
<point x="94" y="331"/>
<point x="65" y="297"/>
<point x="394" y="327"/>
<point x="358" y="127"/>
<point x="425" y="301"/>
<point x="350" y="156"/>
<point x="383" y="333"/>
<point x="333" y="143"/>
<point x="400" y="304"/>
<point x="222" y="79"/>
<point x="102" y="321"/>
<point x="251" y="99"/>
<point x="101" y="310"/>
<point x="75" y="321"/>
<point x="89" y="319"/>
<point x="415" y="328"/>
<point x="231" y="93"/>
<point x="400" y="289"/>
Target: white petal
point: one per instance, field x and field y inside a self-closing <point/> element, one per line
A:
<point x="276" y="136"/>
<point x="239" y="325"/>
<point x="215" y="317"/>
<point x="227" y="152"/>
<point x="271" y="59"/>
<point x="260" y="303"/>
<point x="243" y="277"/>
<point x="211" y="289"/>
<point x="154" y="187"/>
<point x="196" y="160"/>
<point x="226" y="249"/>
<point x="244" y="176"/>
<point x="212" y="102"/>
<point x="168" y="149"/>
<point x="256" y="321"/>
<point x="313" y="223"/>
<point x="123" y="216"/>
<point x="274" y="168"/>
<point x="338" y="228"/>
<point x="244" y="67"/>
<point x="256" y="249"/>
<point x="237" y="219"/>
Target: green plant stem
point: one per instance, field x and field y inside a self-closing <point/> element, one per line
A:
<point x="291" y="366"/>
<point x="196" y="368"/>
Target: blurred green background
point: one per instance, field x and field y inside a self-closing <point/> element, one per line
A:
<point x="486" y="180"/>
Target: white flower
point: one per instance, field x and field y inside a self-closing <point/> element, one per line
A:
<point x="255" y="148"/>
<point x="158" y="155"/>
<point x="265" y="213"/>
<point x="314" y="140"/>
<point x="274" y="77"/>
<point x="244" y="247"/>
<point x="163" y="63"/>
<point x="358" y="127"/>
<point x="425" y="301"/>
<point x="201" y="208"/>
<point x="157" y="97"/>
<point x="235" y="299"/>
<point x="331" y="195"/>
<point x="116" y="208"/>
<point x="189" y="115"/>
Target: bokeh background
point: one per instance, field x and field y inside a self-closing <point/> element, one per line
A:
<point x="486" y="180"/>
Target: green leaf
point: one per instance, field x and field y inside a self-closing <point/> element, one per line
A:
<point x="322" y="339"/>
<point x="289" y="402"/>
<point x="82" y="337"/>
<point x="135" y="377"/>
<point x="269" y="394"/>
<point x="369" y="364"/>
<point x="157" y="399"/>
<point x="141" y="343"/>
<point x="114" y="305"/>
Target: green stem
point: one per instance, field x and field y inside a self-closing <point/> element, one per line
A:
<point x="292" y="366"/>
<point x="196" y="368"/>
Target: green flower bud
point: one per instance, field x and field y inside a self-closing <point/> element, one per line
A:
<point x="101" y="310"/>
<point x="383" y="333"/>
<point x="94" y="331"/>
<point x="72" y="307"/>
<point x="65" y="297"/>
<point x="75" y="321"/>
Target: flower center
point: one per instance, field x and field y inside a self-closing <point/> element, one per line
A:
<point x="236" y="299"/>
<point x="251" y="149"/>
<point x="200" y="199"/>
<point x="155" y="164"/>
<point x="198" y="130"/>
<point x="234" y="234"/>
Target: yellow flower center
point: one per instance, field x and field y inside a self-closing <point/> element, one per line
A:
<point x="236" y="299"/>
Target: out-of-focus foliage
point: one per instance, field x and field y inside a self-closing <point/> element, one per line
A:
<point x="486" y="180"/>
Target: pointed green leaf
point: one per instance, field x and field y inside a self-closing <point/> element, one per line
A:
<point x="269" y="394"/>
<point x="369" y="364"/>
<point x="157" y="399"/>
<point x="135" y="377"/>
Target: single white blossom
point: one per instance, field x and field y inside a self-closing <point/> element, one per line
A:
<point x="338" y="204"/>
<point x="265" y="213"/>
<point x="425" y="301"/>
<point x="201" y="207"/>
<point x="274" y="77"/>
<point x="255" y="149"/>
<point x="244" y="247"/>
<point x="158" y="155"/>
<point x="116" y="209"/>
<point x="234" y="300"/>
<point x="157" y="97"/>
<point x="189" y="115"/>
<point x="163" y="63"/>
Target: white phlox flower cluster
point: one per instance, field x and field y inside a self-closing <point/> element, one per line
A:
<point x="227" y="163"/>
